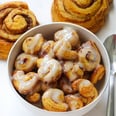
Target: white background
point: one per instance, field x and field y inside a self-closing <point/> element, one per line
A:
<point x="9" y="104"/>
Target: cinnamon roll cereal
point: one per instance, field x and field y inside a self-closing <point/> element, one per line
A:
<point x="25" y="83"/>
<point x="53" y="100"/>
<point x="32" y="45"/>
<point x="68" y="34"/>
<point x="50" y="70"/>
<point x="59" y="74"/>
<point x="25" y="62"/>
<point x="63" y="50"/>
<point x="89" y="55"/>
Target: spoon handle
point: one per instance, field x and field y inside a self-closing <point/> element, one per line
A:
<point x="110" y="103"/>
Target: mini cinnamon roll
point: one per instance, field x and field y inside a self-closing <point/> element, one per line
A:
<point x="69" y="35"/>
<point x="50" y="70"/>
<point x="47" y="48"/>
<point x="32" y="45"/>
<point x="25" y="62"/>
<point x="63" y="50"/>
<point x="89" y="55"/>
<point x="26" y="83"/>
<point x="97" y="74"/>
<point x="53" y="100"/>
<point x="85" y="88"/>
<point x="33" y="98"/>
<point x="72" y="70"/>
<point x="74" y="102"/>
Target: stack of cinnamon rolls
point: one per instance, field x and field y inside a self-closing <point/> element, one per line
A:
<point x="59" y="74"/>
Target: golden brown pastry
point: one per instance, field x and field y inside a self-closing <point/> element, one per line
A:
<point x="85" y="88"/>
<point x="89" y="56"/>
<point x="97" y="74"/>
<point x="25" y="62"/>
<point x="68" y="34"/>
<point x="32" y="45"/>
<point x="33" y="98"/>
<point x="61" y="76"/>
<point x="50" y="70"/>
<point x="63" y="50"/>
<point x="72" y="70"/>
<point x="5" y="47"/>
<point x="53" y="100"/>
<point x="15" y="19"/>
<point x="26" y="83"/>
<point x="74" y="102"/>
<point x="90" y="14"/>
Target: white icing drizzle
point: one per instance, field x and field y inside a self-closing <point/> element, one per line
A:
<point x="68" y="34"/>
<point x="31" y="43"/>
<point x="50" y="70"/>
<point x="56" y="95"/>
<point x="89" y="56"/>
<point x="26" y="81"/>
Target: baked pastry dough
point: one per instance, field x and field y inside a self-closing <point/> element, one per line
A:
<point x="32" y="45"/>
<point x="15" y="19"/>
<point x="90" y="14"/>
<point x="53" y="100"/>
<point x="58" y="76"/>
<point x="74" y="102"/>
<point x="5" y="46"/>
<point x="26" y="83"/>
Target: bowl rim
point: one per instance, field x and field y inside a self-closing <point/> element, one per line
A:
<point x="76" y="26"/>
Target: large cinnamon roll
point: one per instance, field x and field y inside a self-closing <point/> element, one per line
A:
<point x="15" y="19"/>
<point x="90" y="14"/>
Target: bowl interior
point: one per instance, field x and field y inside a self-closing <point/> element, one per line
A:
<point x="48" y="31"/>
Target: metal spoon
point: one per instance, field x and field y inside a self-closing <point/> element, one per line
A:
<point x="110" y="44"/>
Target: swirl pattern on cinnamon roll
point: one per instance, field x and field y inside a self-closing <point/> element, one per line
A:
<point x="15" y="19"/>
<point x="90" y="14"/>
<point x="25" y="62"/>
<point x="53" y="100"/>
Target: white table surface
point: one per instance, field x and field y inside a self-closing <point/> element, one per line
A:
<point x="9" y="105"/>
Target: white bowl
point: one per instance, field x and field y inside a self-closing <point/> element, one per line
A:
<point x="48" y="31"/>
